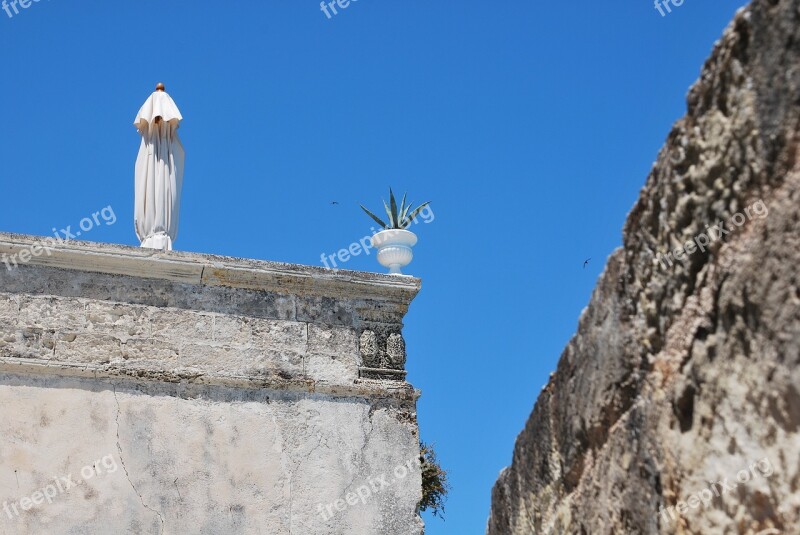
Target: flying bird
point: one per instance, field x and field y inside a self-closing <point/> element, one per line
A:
<point x="334" y="202"/>
<point x="586" y="262"/>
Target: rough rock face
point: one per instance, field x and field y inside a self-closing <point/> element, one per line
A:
<point x="676" y="406"/>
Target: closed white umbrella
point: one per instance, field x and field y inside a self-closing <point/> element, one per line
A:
<point x="159" y="171"/>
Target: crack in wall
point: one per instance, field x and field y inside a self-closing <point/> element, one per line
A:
<point x="291" y="477"/>
<point x="305" y="357"/>
<point x="125" y="468"/>
<point x="362" y="456"/>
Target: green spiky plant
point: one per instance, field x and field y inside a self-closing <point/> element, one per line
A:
<point x="400" y="217"/>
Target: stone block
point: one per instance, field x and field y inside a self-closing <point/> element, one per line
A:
<point x="52" y="313"/>
<point x="326" y="310"/>
<point x="181" y="326"/>
<point x="278" y="336"/>
<point x="332" y="370"/>
<point x="117" y="319"/>
<point x="340" y="342"/>
<point x="9" y="312"/>
<point x="87" y="348"/>
<point x="157" y="350"/>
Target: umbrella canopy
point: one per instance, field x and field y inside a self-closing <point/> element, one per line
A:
<point x="159" y="171"/>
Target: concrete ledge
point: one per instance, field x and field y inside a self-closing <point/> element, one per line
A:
<point x="210" y="270"/>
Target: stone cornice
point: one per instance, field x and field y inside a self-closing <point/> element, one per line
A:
<point x="363" y="388"/>
<point x="212" y="270"/>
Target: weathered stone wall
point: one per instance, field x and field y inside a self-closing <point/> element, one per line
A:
<point x="683" y="377"/>
<point x="211" y="395"/>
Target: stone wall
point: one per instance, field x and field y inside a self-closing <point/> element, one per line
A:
<point x="676" y="406"/>
<point x="184" y="393"/>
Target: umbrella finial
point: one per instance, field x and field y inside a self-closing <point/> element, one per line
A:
<point x="160" y="87"/>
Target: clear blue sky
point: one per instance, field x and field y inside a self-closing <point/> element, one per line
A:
<point x="531" y="126"/>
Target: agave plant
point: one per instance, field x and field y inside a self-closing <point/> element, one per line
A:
<point x="401" y="216"/>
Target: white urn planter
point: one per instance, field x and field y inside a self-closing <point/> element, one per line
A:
<point x="394" y="248"/>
